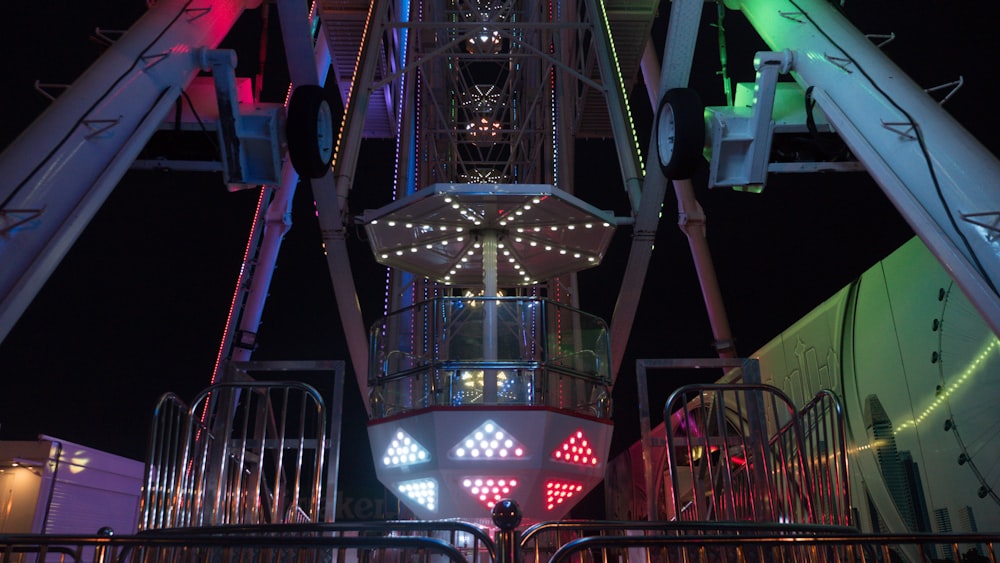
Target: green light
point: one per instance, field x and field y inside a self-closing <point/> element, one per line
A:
<point x="971" y="369"/>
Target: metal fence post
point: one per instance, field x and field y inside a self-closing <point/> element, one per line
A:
<point x="507" y="515"/>
<point x="102" y="553"/>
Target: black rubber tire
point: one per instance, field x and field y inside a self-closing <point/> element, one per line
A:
<point x="688" y="136"/>
<point x="309" y="148"/>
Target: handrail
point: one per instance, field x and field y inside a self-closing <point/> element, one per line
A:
<point x="432" y="307"/>
<point x="723" y="541"/>
<point x="807" y="548"/>
<point x="480" y="535"/>
<point x="163" y="461"/>
<point x="138" y="548"/>
<point x="242" y="452"/>
<point x="533" y="365"/>
<point x="676" y="527"/>
<point x="454" y="365"/>
<point x="73" y="554"/>
<point x="843" y="462"/>
<point x="419" y="353"/>
<point x="431" y="385"/>
<point x="775" y="476"/>
<point x="534" y="536"/>
<point x="823" y="399"/>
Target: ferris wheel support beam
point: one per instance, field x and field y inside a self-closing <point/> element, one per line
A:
<point x="296" y="36"/>
<point x="62" y="168"/>
<point x="276" y="221"/>
<point x="622" y="128"/>
<point x="307" y="64"/>
<point x="940" y="178"/>
<point x="330" y="195"/>
<point x="678" y="55"/>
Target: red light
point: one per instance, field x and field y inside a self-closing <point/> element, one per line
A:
<point x="558" y="491"/>
<point x="576" y="449"/>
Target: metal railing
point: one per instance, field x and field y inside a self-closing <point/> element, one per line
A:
<point x="371" y="542"/>
<point x="777" y="547"/>
<point x="232" y="548"/>
<point x="164" y="463"/>
<point x="242" y="453"/>
<point x="472" y="541"/>
<point x="576" y="541"/>
<point x="507" y="351"/>
<point x="741" y="452"/>
<point x="543" y="540"/>
<point x="825" y="440"/>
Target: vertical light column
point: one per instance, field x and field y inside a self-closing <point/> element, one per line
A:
<point x="489" y="314"/>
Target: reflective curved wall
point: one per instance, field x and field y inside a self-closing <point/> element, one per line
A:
<point x="918" y="373"/>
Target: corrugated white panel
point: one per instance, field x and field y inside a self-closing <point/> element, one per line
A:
<point x="92" y="489"/>
<point x="78" y="509"/>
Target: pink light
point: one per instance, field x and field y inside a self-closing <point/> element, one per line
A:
<point x="558" y="491"/>
<point x="575" y="449"/>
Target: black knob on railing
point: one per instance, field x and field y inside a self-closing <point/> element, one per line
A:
<point x="101" y="552"/>
<point x="506" y="514"/>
